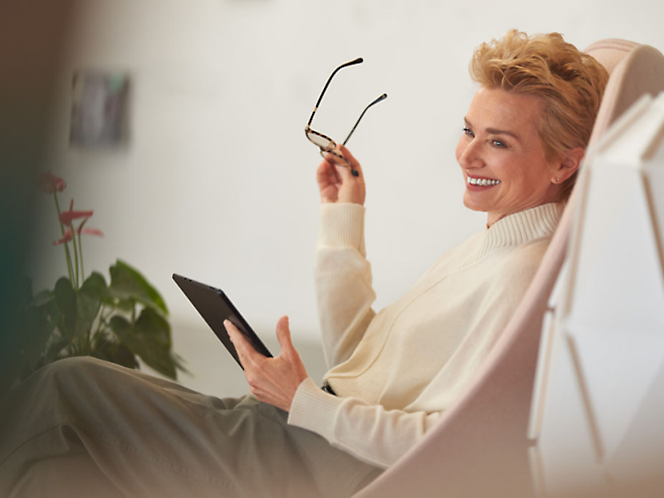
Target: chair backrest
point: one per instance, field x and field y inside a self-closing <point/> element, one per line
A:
<point x="480" y="446"/>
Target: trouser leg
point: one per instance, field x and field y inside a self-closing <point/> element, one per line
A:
<point x="52" y="478"/>
<point x="151" y="437"/>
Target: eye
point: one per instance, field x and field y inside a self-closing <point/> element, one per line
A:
<point x="499" y="144"/>
<point x="468" y="131"/>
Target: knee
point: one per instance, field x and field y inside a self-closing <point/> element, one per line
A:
<point x="67" y="366"/>
<point x="72" y="371"/>
<point x="55" y="393"/>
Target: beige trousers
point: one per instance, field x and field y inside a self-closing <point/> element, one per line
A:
<point x="83" y="427"/>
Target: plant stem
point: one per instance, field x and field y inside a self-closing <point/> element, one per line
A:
<point x="102" y="325"/>
<point x="62" y="229"/>
<point x="100" y="322"/>
<point x="80" y="249"/>
<point x="73" y="240"/>
<point x="87" y="343"/>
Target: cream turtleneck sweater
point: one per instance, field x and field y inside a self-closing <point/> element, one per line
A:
<point x="397" y="371"/>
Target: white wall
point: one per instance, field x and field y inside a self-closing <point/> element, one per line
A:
<point x="218" y="181"/>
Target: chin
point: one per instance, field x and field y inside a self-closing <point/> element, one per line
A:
<point x="474" y="206"/>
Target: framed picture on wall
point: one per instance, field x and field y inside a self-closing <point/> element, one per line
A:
<point x="99" y="109"/>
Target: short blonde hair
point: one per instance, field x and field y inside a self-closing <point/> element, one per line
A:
<point x="569" y="83"/>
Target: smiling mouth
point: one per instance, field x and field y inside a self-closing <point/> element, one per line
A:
<point x="482" y="182"/>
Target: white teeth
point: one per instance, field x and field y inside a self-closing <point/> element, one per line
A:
<point x="482" y="181"/>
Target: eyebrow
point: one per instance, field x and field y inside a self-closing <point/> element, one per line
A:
<point x="495" y="131"/>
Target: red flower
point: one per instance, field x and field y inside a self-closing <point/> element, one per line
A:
<point x="67" y="217"/>
<point x="50" y="183"/>
<point x="68" y="234"/>
<point x="91" y="231"/>
<point x="66" y="238"/>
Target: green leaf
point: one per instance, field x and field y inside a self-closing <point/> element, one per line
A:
<point x="55" y="348"/>
<point x="38" y="326"/>
<point x="95" y="284"/>
<point x="122" y="328"/>
<point x="65" y="296"/>
<point x="154" y="327"/>
<point x="115" y="352"/>
<point x="88" y="302"/>
<point x="128" y="283"/>
<point x="150" y="339"/>
<point x="113" y="300"/>
<point x="43" y="298"/>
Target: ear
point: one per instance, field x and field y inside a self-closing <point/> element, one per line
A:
<point x="568" y="164"/>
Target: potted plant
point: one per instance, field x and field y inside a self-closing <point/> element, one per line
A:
<point x="83" y="315"/>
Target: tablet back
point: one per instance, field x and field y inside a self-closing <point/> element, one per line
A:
<point x="215" y="307"/>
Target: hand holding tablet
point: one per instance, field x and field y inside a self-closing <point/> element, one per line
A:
<point x="215" y="307"/>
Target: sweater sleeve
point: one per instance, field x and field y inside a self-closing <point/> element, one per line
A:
<point x="370" y="433"/>
<point x="343" y="281"/>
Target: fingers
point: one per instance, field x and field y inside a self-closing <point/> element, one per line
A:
<point x="354" y="186"/>
<point x="335" y="163"/>
<point x="355" y="164"/>
<point x="244" y="350"/>
<point x="346" y="173"/>
<point x="284" y="336"/>
<point x="271" y="380"/>
<point x="329" y="182"/>
<point x="327" y="174"/>
<point x="283" y="330"/>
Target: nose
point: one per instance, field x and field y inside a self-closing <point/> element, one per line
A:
<point x="468" y="153"/>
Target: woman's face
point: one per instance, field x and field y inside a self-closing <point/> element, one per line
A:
<point x="500" y="145"/>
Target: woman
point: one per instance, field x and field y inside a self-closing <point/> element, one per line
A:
<point x="393" y="374"/>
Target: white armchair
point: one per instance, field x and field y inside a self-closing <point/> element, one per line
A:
<point x="481" y="446"/>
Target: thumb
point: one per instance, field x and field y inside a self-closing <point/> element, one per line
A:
<point x="354" y="163"/>
<point x="283" y="335"/>
<point x="345" y="172"/>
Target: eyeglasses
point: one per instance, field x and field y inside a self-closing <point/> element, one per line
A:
<point x="325" y="143"/>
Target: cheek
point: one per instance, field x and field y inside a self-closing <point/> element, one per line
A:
<point x="537" y="180"/>
<point x="525" y="185"/>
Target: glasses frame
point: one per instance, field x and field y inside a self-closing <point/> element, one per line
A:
<point x="340" y="160"/>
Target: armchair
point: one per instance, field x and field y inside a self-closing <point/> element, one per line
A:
<point x="480" y="447"/>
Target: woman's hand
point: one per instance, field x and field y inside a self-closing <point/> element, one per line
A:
<point x="337" y="184"/>
<point x="271" y="380"/>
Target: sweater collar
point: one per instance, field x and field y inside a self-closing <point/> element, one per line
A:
<point x="524" y="226"/>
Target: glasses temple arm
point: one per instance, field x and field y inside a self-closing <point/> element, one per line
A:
<point x="359" y="60"/>
<point x="379" y="99"/>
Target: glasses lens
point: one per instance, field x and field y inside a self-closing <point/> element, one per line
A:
<point x="321" y="140"/>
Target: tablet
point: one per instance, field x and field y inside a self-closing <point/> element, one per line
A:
<point x="215" y="307"/>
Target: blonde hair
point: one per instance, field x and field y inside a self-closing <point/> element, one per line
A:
<point x="569" y="83"/>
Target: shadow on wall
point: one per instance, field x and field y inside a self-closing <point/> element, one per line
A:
<point x="32" y="39"/>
